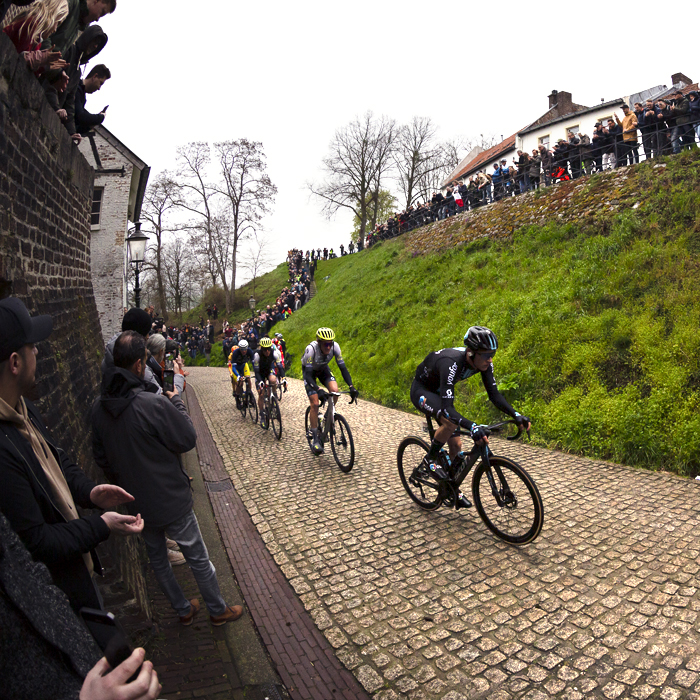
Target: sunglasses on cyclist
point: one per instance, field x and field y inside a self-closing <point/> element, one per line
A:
<point x="327" y="343"/>
<point x="489" y="355"/>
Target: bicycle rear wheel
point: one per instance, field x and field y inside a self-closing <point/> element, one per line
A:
<point x="307" y="424"/>
<point x="275" y="418"/>
<point x="342" y="444"/>
<point x="420" y="483"/>
<point x="252" y="407"/>
<point x="519" y="517"/>
<point x="241" y="404"/>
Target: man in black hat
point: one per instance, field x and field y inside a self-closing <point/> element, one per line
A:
<point x="41" y="485"/>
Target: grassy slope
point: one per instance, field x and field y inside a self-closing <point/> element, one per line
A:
<point x="598" y="324"/>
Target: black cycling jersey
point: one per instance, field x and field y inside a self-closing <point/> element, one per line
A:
<point x="238" y="358"/>
<point x="441" y="370"/>
<point x="263" y="365"/>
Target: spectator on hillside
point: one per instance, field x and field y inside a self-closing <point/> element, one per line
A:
<point x="629" y="147"/>
<point x="96" y="78"/>
<point x="351" y="247"/>
<point x="682" y="135"/>
<point x="694" y="107"/>
<point x="30" y="26"/>
<point x="547" y="163"/>
<point x="41" y="485"/>
<point x="535" y="163"/>
<point x="138" y="440"/>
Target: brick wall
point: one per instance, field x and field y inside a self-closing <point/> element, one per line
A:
<point x="45" y="198"/>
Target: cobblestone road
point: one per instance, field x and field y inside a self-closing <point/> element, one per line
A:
<point x="430" y="605"/>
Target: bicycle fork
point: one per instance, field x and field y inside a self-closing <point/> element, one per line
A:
<point x="504" y="492"/>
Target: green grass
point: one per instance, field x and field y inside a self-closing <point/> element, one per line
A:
<point x="597" y="323"/>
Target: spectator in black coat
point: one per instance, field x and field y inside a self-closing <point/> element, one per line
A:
<point x="84" y="120"/>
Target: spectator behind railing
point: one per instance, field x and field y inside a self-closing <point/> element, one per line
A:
<point x="28" y="29"/>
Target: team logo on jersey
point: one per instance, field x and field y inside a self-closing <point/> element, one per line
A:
<point x="452" y="373"/>
<point x="448" y="394"/>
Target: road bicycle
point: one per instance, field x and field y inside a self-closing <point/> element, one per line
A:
<point x="270" y="415"/>
<point x="505" y="496"/>
<point x="333" y="428"/>
<point x="246" y="403"/>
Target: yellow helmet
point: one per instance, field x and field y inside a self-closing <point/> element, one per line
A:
<point x="265" y="342"/>
<point x="325" y="334"/>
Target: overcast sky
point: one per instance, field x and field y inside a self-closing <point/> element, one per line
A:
<point x="290" y="74"/>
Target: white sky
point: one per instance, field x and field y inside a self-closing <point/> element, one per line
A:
<point x="290" y="74"/>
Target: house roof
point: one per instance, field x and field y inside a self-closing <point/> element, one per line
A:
<point x="536" y="125"/>
<point x="485" y="157"/>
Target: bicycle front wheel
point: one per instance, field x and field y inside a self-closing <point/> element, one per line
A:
<point x="252" y="407"/>
<point x="420" y="483"/>
<point x="342" y="444"/>
<point x="275" y="417"/>
<point x="518" y="518"/>
<point x="278" y="390"/>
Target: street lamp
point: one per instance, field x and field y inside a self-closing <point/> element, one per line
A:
<point x="136" y="244"/>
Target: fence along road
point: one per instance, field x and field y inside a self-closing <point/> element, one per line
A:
<point x="421" y="604"/>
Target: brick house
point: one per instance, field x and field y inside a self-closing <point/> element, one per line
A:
<point x="120" y="183"/>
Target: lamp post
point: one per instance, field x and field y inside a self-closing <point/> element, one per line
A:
<point x="251" y="303"/>
<point x="136" y="244"/>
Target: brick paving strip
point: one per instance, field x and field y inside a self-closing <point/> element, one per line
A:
<point x="304" y="658"/>
<point x="604" y="604"/>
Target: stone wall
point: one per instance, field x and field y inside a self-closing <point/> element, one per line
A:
<point x="45" y="200"/>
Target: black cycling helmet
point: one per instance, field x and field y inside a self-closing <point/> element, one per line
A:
<point x="481" y="338"/>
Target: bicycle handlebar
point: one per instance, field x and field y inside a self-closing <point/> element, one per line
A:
<point x="497" y="427"/>
<point x="323" y="394"/>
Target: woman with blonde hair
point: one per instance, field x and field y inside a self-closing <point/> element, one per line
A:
<point x="31" y="26"/>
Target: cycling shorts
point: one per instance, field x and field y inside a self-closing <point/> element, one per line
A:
<point x="243" y="369"/>
<point x="322" y="376"/>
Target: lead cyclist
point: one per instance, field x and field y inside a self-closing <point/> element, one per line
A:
<point x="314" y="364"/>
<point x="432" y="393"/>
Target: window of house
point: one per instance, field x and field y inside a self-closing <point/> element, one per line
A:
<point x="96" y="206"/>
<point x="573" y="129"/>
<point x="543" y="141"/>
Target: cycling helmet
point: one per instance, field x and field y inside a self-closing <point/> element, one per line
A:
<point x="265" y="342"/>
<point x="279" y="336"/>
<point x="481" y="338"/>
<point x="325" y="334"/>
<point x="243" y="344"/>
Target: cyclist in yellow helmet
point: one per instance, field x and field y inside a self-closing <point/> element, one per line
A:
<point x="314" y="364"/>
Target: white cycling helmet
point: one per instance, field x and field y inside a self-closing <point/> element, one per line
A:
<point x="243" y="344"/>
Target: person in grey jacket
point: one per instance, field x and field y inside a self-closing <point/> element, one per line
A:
<point x="138" y="437"/>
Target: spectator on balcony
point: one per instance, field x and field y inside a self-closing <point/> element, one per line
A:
<point x="30" y="26"/>
<point x="484" y="183"/>
<point x="523" y="172"/>
<point x="646" y="127"/>
<point x="96" y="78"/>
<point x="497" y="180"/>
<point x="560" y="156"/>
<point x="585" y="153"/>
<point x="463" y="191"/>
<point x="628" y="146"/>
<point x="664" y="126"/>
<point x="599" y="142"/>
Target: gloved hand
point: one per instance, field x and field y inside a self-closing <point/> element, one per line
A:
<point x="479" y="432"/>
<point x="354" y="394"/>
<point x="261" y="385"/>
<point x="524" y="421"/>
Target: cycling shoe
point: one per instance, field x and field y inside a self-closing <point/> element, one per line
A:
<point x="439" y="472"/>
<point x="463" y="502"/>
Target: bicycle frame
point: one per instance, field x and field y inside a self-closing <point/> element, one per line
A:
<point x="328" y="426"/>
<point x="483" y="451"/>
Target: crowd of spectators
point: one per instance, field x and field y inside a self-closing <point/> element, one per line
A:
<point x="57" y="39"/>
<point x="655" y="128"/>
<point x="48" y="558"/>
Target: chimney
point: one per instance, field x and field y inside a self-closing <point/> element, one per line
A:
<point x="564" y="103"/>
<point x="681" y="78"/>
<point x="553" y="99"/>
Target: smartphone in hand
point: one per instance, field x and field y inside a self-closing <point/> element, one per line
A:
<point x="168" y="380"/>
<point x="110" y="636"/>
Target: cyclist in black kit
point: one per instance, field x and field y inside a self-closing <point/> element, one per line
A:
<point x="314" y="364"/>
<point x="433" y="393"/>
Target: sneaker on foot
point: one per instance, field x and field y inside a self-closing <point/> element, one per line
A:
<point x="175" y="558"/>
<point x="186" y="620"/>
<point x="232" y="612"/>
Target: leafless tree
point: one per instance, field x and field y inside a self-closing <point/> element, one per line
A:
<point x="198" y="197"/>
<point x="160" y="200"/>
<point x="418" y="156"/>
<point x="179" y="266"/>
<point x="248" y="193"/>
<point x="257" y="258"/>
<point x="358" y="162"/>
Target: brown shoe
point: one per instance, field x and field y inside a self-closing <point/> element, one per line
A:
<point x="186" y="620"/>
<point x="231" y="613"/>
